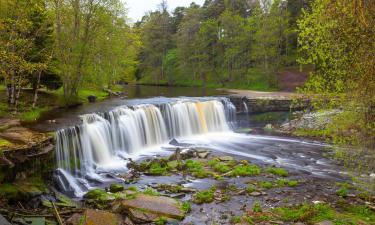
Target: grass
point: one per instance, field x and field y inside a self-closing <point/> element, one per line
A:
<point x="265" y="184"/>
<point x="4" y="144"/>
<point x="285" y="182"/>
<point x="311" y="214"/>
<point x="196" y="169"/>
<point x="186" y="207"/>
<point x="205" y="196"/>
<point x="157" y="170"/>
<point x="257" y="207"/>
<point x="277" y="171"/>
<point x="32" y="115"/>
<point x="245" y="170"/>
<point x="150" y="191"/>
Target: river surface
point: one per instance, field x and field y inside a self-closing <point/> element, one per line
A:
<point x="94" y="141"/>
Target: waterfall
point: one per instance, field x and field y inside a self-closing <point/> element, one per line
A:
<point x="102" y="140"/>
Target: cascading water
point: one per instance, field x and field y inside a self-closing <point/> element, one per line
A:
<point x="102" y="142"/>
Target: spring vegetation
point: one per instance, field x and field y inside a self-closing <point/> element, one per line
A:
<point x="79" y="48"/>
<point x="56" y="53"/>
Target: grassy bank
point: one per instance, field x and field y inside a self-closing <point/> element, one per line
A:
<point x="47" y="100"/>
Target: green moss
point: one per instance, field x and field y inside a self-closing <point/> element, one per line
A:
<point x="342" y="192"/>
<point x="10" y="192"/>
<point x="150" y="191"/>
<point x="196" y="169"/>
<point x="4" y="144"/>
<point x="132" y="188"/>
<point x="277" y="171"/>
<point x="257" y="207"/>
<point x="186" y="207"/>
<point x="95" y="194"/>
<point x="245" y="170"/>
<point x="250" y="188"/>
<point x="235" y="219"/>
<point x="116" y="188"/>
<point x="157" y="169"/>
<point x="265" y="184"/>
<point x="161" y="221"/>
<point x="221" y="168"/>
<point x="205" y="196"/>
<point x="285" y="182"/>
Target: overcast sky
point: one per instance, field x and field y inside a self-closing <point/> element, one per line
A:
<point x="137" y="8"/>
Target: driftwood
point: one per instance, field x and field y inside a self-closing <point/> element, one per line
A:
<point x="58" y="218"/>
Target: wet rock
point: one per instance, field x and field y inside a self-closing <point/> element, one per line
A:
<point x="4" y="221"/>
<point x="98" y="217"/>
<point x="226" y="158"/>
<point x="141" y="216"/>
<point x="268" y="127"/>
<point x="203" y="155"/>
<point x="91" y="98"/>
<point x="325" y="222"/>
<point x="75" y="219"/>
<point x="158" y="205"/>
<point x="114" y="188"/>
<point x="98" y="195"/>
<point x="255" y="193"/>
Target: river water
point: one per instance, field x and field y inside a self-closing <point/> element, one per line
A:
<point x="95" y="141"/>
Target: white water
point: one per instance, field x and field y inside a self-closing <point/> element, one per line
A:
<point x="103" y="141"/>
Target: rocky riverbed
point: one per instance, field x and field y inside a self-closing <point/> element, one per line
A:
<point x="195" y="186"/>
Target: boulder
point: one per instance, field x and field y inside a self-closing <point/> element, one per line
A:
<point x="116" y="188"/>
<point x="91" y="98"/>
<point x="325" y="222"/>
<point x="226" y="158"/>
<point x="4" y="221"/>
<point x="98" y="217"/>
<point x="153" y="206"/>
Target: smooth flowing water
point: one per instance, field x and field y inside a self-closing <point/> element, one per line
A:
<point x="95" y="152"/>
<point x="104" y="141"/>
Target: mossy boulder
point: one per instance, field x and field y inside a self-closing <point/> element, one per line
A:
<point x="154" y="206"/>
<point x="99" y="195"/>
<point x="114" y="188"/>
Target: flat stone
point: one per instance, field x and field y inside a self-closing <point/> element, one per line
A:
<point x="226" y="158"/>
<point x="255" y="193"/>
<point x="4" y="221"/>
<point x="98" y="217"/>
<point x="325" y="222"/>
<point x="75" y="219"/>
<point x="203" y="155"/>
<point x="141" y="216"/>
<point x="159" y="205"/>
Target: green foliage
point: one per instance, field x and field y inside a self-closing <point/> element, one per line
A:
<point x="205" y="196"/>
<point x="150" y="191"/>
<point x="186" y="207"/>
<point x="245" y="170"/>
<point x="32" y="115"/>
<point x="334" y="38"/>
<point x="161" y="221"/>
<point x="196" y="168"/>
<point x="157" y="169"/>
<point x="342" y="192"/>
<point x="277" y="171"/>
<point x="250" y="188"/>
<point x="235" y="219"/>
<point x="257" y="207"/>
<point x="285" y="182"/>
<point x="265" y="184"/>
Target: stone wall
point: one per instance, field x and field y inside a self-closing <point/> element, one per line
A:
<point x="259" y="105"/>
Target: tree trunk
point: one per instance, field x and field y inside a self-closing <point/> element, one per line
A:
<point x="36" y="89"/>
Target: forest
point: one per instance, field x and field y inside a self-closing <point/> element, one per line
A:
<point x="225" y="112"/>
